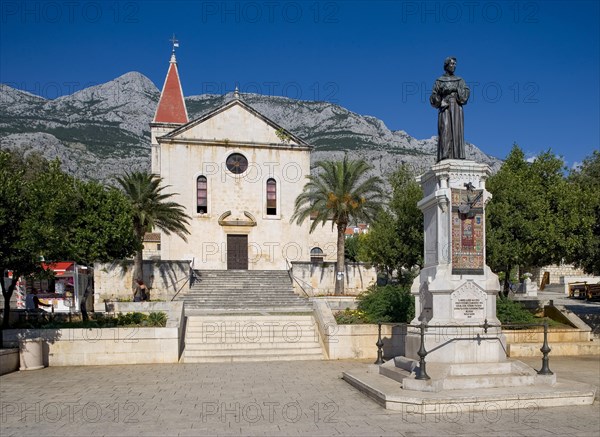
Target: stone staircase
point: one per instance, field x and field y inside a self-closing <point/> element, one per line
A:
<point x="243" y="338"/>
<point x="243" y="290"/>
<point x="247" y="315"/>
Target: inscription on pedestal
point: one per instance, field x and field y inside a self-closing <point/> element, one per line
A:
<point x="469" y="302"/>
<point x="468" y="308"/>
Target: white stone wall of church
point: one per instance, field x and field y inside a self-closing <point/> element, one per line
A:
<point x="156" y="131"/>
<point x="325" y="238"/>
<point x="235" y="124"/>
<point x="273" y="239"/>
<point x="202" y="148"/>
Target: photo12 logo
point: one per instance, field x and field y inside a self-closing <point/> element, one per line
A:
<point x="268" y="411"/>
<point x="269" y="12"/>
<point x="525" y="92"/>
<point x="50" y="90"/>
<point x="69" y="12"/>
<point x="266" y="251"/>
<point x="469" y="12"/>
<point x="319" y="91"/>
<point x="255" y="172"/>
<point x="68" y="412"/>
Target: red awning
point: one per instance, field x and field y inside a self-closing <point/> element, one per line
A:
<point x="59" y="268"/>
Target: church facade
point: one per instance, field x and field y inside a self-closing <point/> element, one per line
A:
<point x="237" y="174"/>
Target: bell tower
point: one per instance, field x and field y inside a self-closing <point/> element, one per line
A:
<point x="171" y="112"/>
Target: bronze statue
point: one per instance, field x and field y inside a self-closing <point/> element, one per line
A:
<point x="449" y="94"/>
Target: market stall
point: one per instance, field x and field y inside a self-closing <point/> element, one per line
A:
<point x="66" y="289"/>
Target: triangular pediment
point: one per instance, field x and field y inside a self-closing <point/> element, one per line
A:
<point x="235" y="122"/>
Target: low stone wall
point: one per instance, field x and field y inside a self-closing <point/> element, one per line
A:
<point x="174" y="310"/>
<point x="105" y="346"/>
<point x="318" y="279"/>
<point x="110" y="346"/>
<point x="555" y="335"/>
<point x="355" y="341"/>
<point x="359" y="341"/>
<point x="164" y="279"/>
<point x="340" y="303"/>
<point x="9" y="360"/>
<point x="557" y="273"/>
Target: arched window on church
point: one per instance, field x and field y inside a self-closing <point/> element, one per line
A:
<point x="202" y="195"/>
<point x="271" y="197"/>
<point x="316" y="255"/>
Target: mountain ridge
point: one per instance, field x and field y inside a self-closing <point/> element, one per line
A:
<point x="103" y="130"/>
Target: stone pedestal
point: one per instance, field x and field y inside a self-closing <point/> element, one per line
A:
<point x="455" y="286"/>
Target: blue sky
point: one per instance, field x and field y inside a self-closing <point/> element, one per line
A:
<point x="533" y="66"/>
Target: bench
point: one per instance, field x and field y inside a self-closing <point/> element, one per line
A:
<point x="592" y="291"/>
<point x="579" y="288"/>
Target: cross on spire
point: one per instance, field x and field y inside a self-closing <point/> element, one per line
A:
<point x="175" y="42"/>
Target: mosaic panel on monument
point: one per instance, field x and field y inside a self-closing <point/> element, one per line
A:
<point x="467" y="232"/>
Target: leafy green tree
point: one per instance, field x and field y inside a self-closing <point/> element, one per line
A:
<point x="395" y="240"/>
<point x="352" y="247"/>
<point x="46" y="213"/>
<point x="13" y="209"/>
<point x="534" y="218"/>
<point x="34" y="217"/>
<point x="151" y="209"/>
<point x="102" y="230"/>
<point x="587" y="178"/>
<point x="340" y="192"/>
<point x="46" y="228"/>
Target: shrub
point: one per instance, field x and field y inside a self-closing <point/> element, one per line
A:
<point x="158" y="319"/>
<point x="350" y="317"/>
<point x="130" y="319"/>
<point x="98" y="320"/>
<point x="509" y="311"/>
<point x="389" y="303"/>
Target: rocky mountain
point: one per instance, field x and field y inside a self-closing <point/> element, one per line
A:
<point x="104" y="130"/>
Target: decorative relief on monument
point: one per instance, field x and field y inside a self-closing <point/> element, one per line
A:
<point x="431" y="255"/>
<point x="464" y="177"/>
<point x="467" y="232"/>
<point x="426" y="301"/>
<point x="430" y="186"/>
<point x="469" y="302"/>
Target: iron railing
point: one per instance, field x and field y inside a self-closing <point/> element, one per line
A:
<point x="422" y="352"/>
<point x="191" y="278"/>
<point x="293" y="278"/>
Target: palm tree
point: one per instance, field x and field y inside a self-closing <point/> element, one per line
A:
<point x="341" y="192"/>
<point x="151" y="209"/>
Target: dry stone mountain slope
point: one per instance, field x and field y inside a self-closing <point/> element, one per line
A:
<point x="103" y="130"/>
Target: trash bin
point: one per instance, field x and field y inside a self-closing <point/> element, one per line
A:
<point x="31" y="353"/>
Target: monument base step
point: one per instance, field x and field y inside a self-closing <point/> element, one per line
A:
<point x="462" y="376"/>
<point x="389" y="393"/>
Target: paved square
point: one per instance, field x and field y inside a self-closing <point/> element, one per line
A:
<point x="280" y="398"/>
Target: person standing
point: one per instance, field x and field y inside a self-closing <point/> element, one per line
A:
<point x="141" y="291"/>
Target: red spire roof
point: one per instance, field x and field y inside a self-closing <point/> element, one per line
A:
<point x="171" y="106"/>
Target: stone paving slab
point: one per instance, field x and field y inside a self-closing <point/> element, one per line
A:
<point x="256" y="399"/>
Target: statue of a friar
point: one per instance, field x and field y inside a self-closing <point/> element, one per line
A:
<point x="449" y="94"/>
